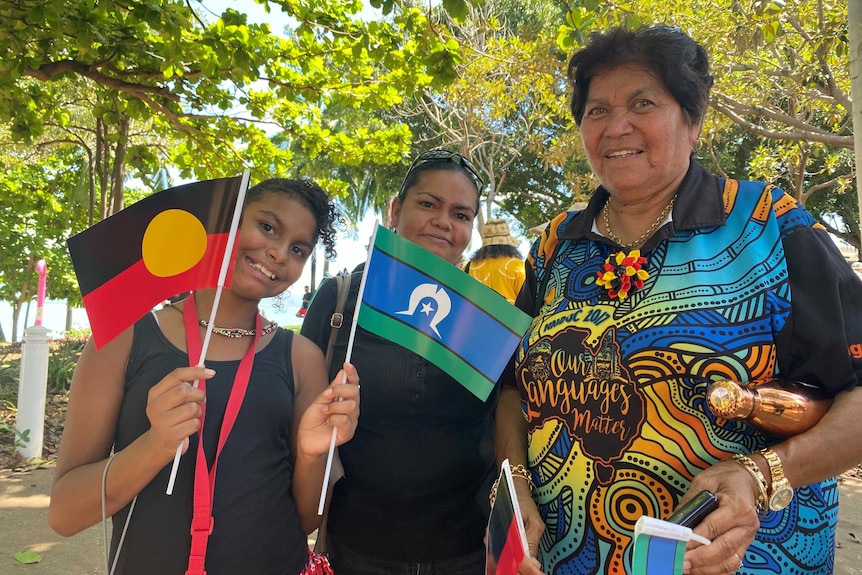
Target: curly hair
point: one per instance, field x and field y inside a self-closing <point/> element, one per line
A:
<point x="312" y="196"/>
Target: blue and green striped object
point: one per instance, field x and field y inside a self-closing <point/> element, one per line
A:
<point x="420" y="301"/>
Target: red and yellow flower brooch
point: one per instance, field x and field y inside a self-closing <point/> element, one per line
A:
<point x="622" y="274"/>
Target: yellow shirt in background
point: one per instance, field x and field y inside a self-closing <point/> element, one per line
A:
<point x="503" y="275"/>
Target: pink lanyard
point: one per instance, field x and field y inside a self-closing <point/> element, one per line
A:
<point x="202" y="520"/>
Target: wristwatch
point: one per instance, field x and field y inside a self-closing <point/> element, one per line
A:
<point x="780" y="491"/>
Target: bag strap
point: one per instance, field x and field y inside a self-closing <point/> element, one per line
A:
<point x="337" y="318"/>
<point x="335" y="322"/>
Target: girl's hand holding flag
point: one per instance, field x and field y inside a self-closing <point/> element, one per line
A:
<point x="336" y="408"/>
<point x="174" y="410"/>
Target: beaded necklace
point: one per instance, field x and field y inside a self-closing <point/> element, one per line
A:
<point x="238" y="331"/>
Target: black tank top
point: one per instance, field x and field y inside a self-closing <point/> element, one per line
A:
<point x="256" y="525"/>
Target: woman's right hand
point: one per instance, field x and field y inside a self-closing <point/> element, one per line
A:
<point x="533" y="526"/>
<point x="174" y="410"/>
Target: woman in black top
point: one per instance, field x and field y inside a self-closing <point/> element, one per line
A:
<point x="419" y="468"/>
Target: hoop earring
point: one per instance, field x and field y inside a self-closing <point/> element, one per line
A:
<point x="278" y="303"/>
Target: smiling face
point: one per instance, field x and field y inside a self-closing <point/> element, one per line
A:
<point x="276" y="239"/>
<point x="637" y="138"/>
<point x="437" y="213"/>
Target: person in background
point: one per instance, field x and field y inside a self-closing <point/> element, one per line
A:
<point x="306" y="299"/>
<point x="414" y="497"/>
<point x="497" y="264"/>
<point x="133" y="397"/>
<point x="669" y="279"/>
<point x="857" y="267"/>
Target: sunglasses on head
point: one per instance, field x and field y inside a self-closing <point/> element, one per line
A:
<point x="446" y="156"/>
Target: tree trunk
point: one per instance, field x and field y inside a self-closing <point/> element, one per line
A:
<point x="23" y="296"/>
<point x="68" y="317"/>
<point x="101" y="167"/>
<point x="854" y="18"/>
<point x="91" y="187"/>
<point x="118" y="174"/>
<point x="314" y="269"/>
<point x="16" y="311"/>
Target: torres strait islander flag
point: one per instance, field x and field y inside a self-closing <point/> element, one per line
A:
<point x="173" y="241"/>
<point x="422" y="302"/>
<point x="507" y="542"/>
<point x="659" y="547"/>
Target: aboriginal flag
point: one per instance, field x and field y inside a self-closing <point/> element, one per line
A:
<point x="168" y="243"/>
<point x="425" y="304"/>
<point x="507" y="544"/>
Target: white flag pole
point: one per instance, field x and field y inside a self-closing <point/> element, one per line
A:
<point x="331" y="453"/>
<point x="516" y="507"/>
<point x="225" y="265"/>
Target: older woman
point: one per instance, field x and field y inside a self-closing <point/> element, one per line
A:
<point x="414" y="498"/>
<point x="669" y="279"/>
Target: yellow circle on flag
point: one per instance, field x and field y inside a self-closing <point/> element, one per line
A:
<point x="175" y="241"/>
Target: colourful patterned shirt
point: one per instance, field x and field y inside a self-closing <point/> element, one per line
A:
<point x="743" y="284"/>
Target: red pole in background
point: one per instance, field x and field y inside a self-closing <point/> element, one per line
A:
<point x="42" y="270"/>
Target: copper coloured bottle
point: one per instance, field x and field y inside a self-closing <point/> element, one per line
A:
<point x="780" y="407"/>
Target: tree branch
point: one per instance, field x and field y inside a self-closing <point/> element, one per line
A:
<point x="735" y="110"/>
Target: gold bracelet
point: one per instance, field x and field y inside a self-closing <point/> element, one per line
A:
<point x="517" y="471"/>
<point x="493" y="495"/>
<point x="523" y="473"/>
<point x="751" y="467"/>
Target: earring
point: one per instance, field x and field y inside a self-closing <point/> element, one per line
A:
<point x="278" y="302"/>
<point x="393" y="229"/>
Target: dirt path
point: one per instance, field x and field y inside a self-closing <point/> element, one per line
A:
<point x="23" y="526"/>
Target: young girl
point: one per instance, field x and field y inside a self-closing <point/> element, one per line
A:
<point x="134" y="397"/>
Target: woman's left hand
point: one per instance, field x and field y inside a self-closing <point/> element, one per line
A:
<point x="336" y="407"/>
<point x="731" y="527"/>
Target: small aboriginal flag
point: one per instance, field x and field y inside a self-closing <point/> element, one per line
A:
<point x="173" y="241"/>
<point x="507" y="541"/>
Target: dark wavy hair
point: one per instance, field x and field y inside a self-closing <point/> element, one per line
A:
<point x="679" y="62"/>
<point x="495" y="251"/>
<point x="312" y="196"/>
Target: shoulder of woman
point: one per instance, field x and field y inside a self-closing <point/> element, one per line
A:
<point x="303" y="344"/>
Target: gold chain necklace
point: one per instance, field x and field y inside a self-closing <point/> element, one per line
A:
<point x="238" y="331"/>
<point x="638" y="242"/>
